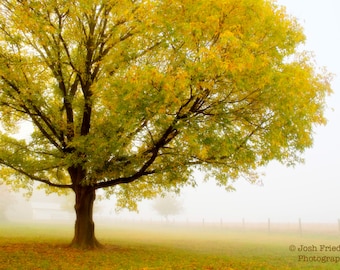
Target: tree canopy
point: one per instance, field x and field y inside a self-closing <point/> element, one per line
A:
<point x="131" y="96"/>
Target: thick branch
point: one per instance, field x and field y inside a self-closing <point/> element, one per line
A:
<point x="51" y="184"/>
<point x="35" y="178"/>
<point x="123" y="180"/>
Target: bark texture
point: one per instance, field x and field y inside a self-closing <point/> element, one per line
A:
<point x="84" y="232"/>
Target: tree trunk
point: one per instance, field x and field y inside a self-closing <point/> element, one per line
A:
<point x="84" y="233"/>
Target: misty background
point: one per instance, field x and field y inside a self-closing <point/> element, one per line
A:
<point x="308" y="191"/>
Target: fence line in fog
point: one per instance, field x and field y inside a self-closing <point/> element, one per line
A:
<point x="299" y="226"/>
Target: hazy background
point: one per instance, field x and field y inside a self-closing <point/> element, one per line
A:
<point x="309" y="191"/>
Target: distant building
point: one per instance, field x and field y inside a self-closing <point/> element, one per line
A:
<point x="49" y="211"/>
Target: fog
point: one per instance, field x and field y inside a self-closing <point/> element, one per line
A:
<point x="309" y="191"/>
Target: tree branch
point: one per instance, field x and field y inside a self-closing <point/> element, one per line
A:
<point x="34" y="115"/>
<point x="122" y="180"/>
<point x="167" y="136"/>
<point x="35" y="178"/>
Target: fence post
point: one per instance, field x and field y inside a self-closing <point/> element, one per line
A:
<point x="268" y="225"/>
<point x="300" y="226"/>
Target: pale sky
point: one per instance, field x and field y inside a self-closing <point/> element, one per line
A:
<point x="310" y="191"/>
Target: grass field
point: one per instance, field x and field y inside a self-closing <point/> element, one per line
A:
<point x="152" y="247"/>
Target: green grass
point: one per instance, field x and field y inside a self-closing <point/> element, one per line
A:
<point x="151" y="247"/>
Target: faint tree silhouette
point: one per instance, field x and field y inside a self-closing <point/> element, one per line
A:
<point x="167" y="206"/>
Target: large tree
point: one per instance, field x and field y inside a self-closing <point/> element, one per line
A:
<point x="131" y="96"/>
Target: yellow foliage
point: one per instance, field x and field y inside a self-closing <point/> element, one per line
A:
<point x="144" y="91"/>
